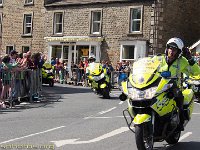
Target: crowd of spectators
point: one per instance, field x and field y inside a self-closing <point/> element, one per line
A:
<point x="15" y="63"/>
<point x="77" y="72"/>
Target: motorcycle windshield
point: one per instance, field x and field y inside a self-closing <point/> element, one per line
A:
<point x="95" y="68"/>
<point x="143" y="71"/>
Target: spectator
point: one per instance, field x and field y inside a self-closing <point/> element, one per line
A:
<point x="56" y="67"/>
<point x="119" y="64"/>
<point x="6" y="77"/>
<point x="81" y="71"/>
<point x="66" y="72"/>
<point x="109" y="68"/>
<point x="53" y="61"/>
<point x="13" y="56"/>
<point x="122" y="72"/>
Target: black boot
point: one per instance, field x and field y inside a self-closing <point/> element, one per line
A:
<point x="182" y="119"/>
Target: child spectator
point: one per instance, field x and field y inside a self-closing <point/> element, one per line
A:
<point x="6" y="77"/>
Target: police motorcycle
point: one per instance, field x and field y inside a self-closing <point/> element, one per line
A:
<point x="47" y="74"/>
<point x="194" y="83"/>
<point x="152" y="110"/>
<point x="99" y="81"/>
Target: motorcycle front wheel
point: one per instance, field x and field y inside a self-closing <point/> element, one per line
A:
<point x="173" y="139"/>
<point x="141" y="142"/>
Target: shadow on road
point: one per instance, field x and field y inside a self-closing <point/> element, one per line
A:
<point x="57" y="89"/>
<point x="181" y="146"/>
<point x="51" y="95"/>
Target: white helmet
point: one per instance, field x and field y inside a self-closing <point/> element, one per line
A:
<point x="176" y="43"/>
<point x="92" y="57"/>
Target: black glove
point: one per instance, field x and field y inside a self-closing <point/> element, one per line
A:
<point x="187" y="54"/>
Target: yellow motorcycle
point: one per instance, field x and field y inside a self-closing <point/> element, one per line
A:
<point x="99" y="81"/>
<point x="194" y="83"/>
<point x="47" y="74"/>
<point x="151" y="105"/>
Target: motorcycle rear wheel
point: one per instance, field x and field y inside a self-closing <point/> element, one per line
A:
<point x="140" y="141"/>
<point x="51" y="83"/>
<point x="106" y="93"/>
<point x="173" y="139"/>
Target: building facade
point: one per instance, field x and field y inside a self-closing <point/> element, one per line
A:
<point x="22" y="25"/>
<point x="112" y="30"/>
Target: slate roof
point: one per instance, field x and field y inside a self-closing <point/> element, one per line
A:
<point x="81" y="2"/>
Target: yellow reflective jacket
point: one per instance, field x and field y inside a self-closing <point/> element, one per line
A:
<point x="179" y="66"/>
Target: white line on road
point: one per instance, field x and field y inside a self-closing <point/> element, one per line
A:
<point x="197" y="103"/>
<point x="100" y="113"/>
<point x="185" y="136"/>
<point x="106" y="111"/>
<point x="121" y="102"/>
<point x="11" y="140"/>
<point x="93" y="117"/>
<point x="75" y="141"/>
<point x="196" y="113"/>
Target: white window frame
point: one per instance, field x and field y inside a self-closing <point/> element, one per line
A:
<point x="132" y="21"/>
<point x="140" y="49"/>
<point x="57" y="23"/>
<point x="27" y="25"/>
<point x="1" y="3"/>
<point x="95" y="22"/>
<point x="28" y="2"/>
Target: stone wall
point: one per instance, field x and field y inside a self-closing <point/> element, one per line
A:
<point x="180" y="19"/>
<point x="13" y="11"/>
<point x="115" y="24"/>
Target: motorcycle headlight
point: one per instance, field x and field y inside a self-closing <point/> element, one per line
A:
<point x="194" y="82"/>
<point x="149" y="93"/>
<point x="97" y="78"/>
<point x="136" y="94"/>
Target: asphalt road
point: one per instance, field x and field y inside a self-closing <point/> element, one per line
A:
<point x="73" y="118"/>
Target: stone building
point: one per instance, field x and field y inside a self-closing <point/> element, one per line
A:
<point x="118" y="29"/>
<point x="22" y="24"/>
<point x="110" y="29"/>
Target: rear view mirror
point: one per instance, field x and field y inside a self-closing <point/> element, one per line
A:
<point x="122" y="97"/>
<point x="166" y="74"/>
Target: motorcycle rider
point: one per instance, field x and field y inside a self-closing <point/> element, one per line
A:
<point x="91" y="60"/>
<point x="179" y="60"/>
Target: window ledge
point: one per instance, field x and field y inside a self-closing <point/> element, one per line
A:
<point x="57" y="35"/>
<point x="26" y="35"/>
<point x="95" y="35"/>
<point x="134" y="33"/>
<point x="29" y="4"/>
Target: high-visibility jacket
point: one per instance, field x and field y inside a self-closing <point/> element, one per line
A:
<point x="179" y="66"/>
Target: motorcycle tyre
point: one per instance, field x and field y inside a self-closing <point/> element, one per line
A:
<point x="139" y="129"/>
<point x="197" y="96"/>
<point x="51" y="83"/>
<point x="174" y="137"/>
<point x="106" y="93"/>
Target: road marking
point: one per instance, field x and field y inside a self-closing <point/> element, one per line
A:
<point x="93" y="117"/>
<point x="185" y="136"/>
<point x="197" y="103"/>
<point x="196" y="113"/>
<point x="75" y="141"/>
<point x="100" y="113"/>
<point x="106" y="111"/>
<point x="121" y="102"/>
<point x="15" y="139"/>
